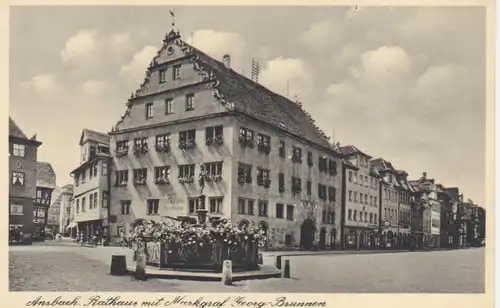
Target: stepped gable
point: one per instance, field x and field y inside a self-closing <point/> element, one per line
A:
<point x="93" y="135"/>
<point x="15" y="131"/>
<point x="241" y="94"/>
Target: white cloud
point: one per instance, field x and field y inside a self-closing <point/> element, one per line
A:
<point x="93" y="87"/>
<point x="140" y="62"/>
<point x="282" y="73"/>
<point x="322" y="35"/>
<point x="385" y="62"/>
<point x="119" y="42"/>
<point x="43" y="84"/>
<point x="79" y="46"/>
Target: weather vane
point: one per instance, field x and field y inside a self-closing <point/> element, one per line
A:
<point x="173" y="17"/>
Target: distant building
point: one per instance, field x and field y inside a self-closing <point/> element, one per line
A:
<point x="45" y="185"/>
<point x="361" y="221"/>
<point x="428" y="191"/>
<point x="90" y="193"/>
<point x="65" y="208"/>
<point x="389" y="208"/>
<point x="449" y="231"/>
<point x="404" y="208"/>
<point x="196" y="128"/>
<point x="22" y="178"/>
<point x="54" y="211"/>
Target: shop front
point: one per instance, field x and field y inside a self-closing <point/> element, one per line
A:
<point x="360" y="238"/>
<point x="88" y="229"/>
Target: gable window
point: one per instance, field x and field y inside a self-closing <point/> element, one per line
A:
<point x="152" y="206"/>
<point x="189" y="102"/>
<point x="322" y="164"/>
<point x="280" y="208"/>
<point x="246" y="137"/>
<point x="310" y="162"/>
<point x="149" y="110"/>
<point x="309" y="188"/>
<point x="282" y="148"/>
<point x="125" y="207"/>
<point x="214" y="135"/>
<point x="281" y="182"/>
<point x="244" y="173"/>
<point x="186" y="173"/>
<point x="263" y="177"/>
<point x="162" y="76"/>
<point x="140" y="176"/>
<point x="169" y="106"/>
<point x="176" y="72"/>
<point x="187" y="139"/>
<point x="263" y="207"/>
<point x="18" y="150"/>
<point x="296" y="154"/>
<point x="162" y="143"/>
<point x="215" y="205"/>
<point x="18" y="178"/>
<point x="193" y="205"/>
<point x="121" y="178"/>
<point x="264" y="143"/>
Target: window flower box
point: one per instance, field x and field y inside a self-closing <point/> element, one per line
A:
<point x="281" y="188"/>
<point x="241" y="180"/>
<point x="162" y="148"/>
<point x="218" y="140"/>
<point x="246" y="142"/>
<point x="162" y="181"/>
<point x="186" y="179"/>
<point x="214" y="178"/>
<point x="121" y="152"/>
<point x="121" y="184"/>
<point x="209" y="141"/>
<point x="332" y="171"/>
<point x="140" y="149"/>
<point x="267" y="183"/>
<point x="296" y="190"/>
<point x="264" y="148"/>
<point x="296" y="159"/>
<point x="140" y="182"/>
<point x="187" y="145"/>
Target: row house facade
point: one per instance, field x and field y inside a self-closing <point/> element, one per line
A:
<point x="54" y="211"/>
<point x="22" y="178"/>
<point x="91" y="188"/>
<point x="361" y="200"/>
<point x="405" y="192"/>
<point x="199" y="135"/>
<point x="428" y="195"/>
<point x="45" y="186"/>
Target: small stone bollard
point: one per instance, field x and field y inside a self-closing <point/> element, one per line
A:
<point x="227" y="273"/>
<point x="285" y="272"/>
<point x="278" y="262"/>
<point x="118" y="266"/>
<point x="260" y="259"/>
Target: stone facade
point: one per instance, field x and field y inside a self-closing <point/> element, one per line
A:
<point x="193" y="118"/>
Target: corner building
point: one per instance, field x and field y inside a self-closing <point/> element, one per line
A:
<point x="261" y="156"/>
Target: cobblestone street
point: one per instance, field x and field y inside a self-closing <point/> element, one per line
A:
<point x="69" y="267"/>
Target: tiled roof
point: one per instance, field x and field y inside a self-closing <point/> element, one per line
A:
<point x="382" y="165"/>
<point x="94" y="136"/>
<point x="15" y="131"/>
<point x="45" y="175"/>
<point x="252" y="99"/>
<point x="351" y="149"/>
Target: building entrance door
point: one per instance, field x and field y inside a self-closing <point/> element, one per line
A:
<point x="307" y="231"/>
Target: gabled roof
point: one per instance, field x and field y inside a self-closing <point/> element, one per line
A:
<point x="247" y="97"/>
<point x="15" y="131"/>
<point x="382" y="165"/>
<point x="45" y="175"/>
<point x="351" y="149"/>
<point x="88" y="134"/>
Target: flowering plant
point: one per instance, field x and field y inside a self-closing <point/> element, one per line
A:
<point x="222" y="231"/>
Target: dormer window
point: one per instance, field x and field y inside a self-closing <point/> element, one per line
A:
<point x="163" y="76"/>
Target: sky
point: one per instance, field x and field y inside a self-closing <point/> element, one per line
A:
<point x="406" y="84"/>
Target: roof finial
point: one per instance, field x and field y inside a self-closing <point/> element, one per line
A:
<point x="173" y="17"/>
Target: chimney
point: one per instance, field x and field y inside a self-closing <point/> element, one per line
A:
<point x="226" y="59"/>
